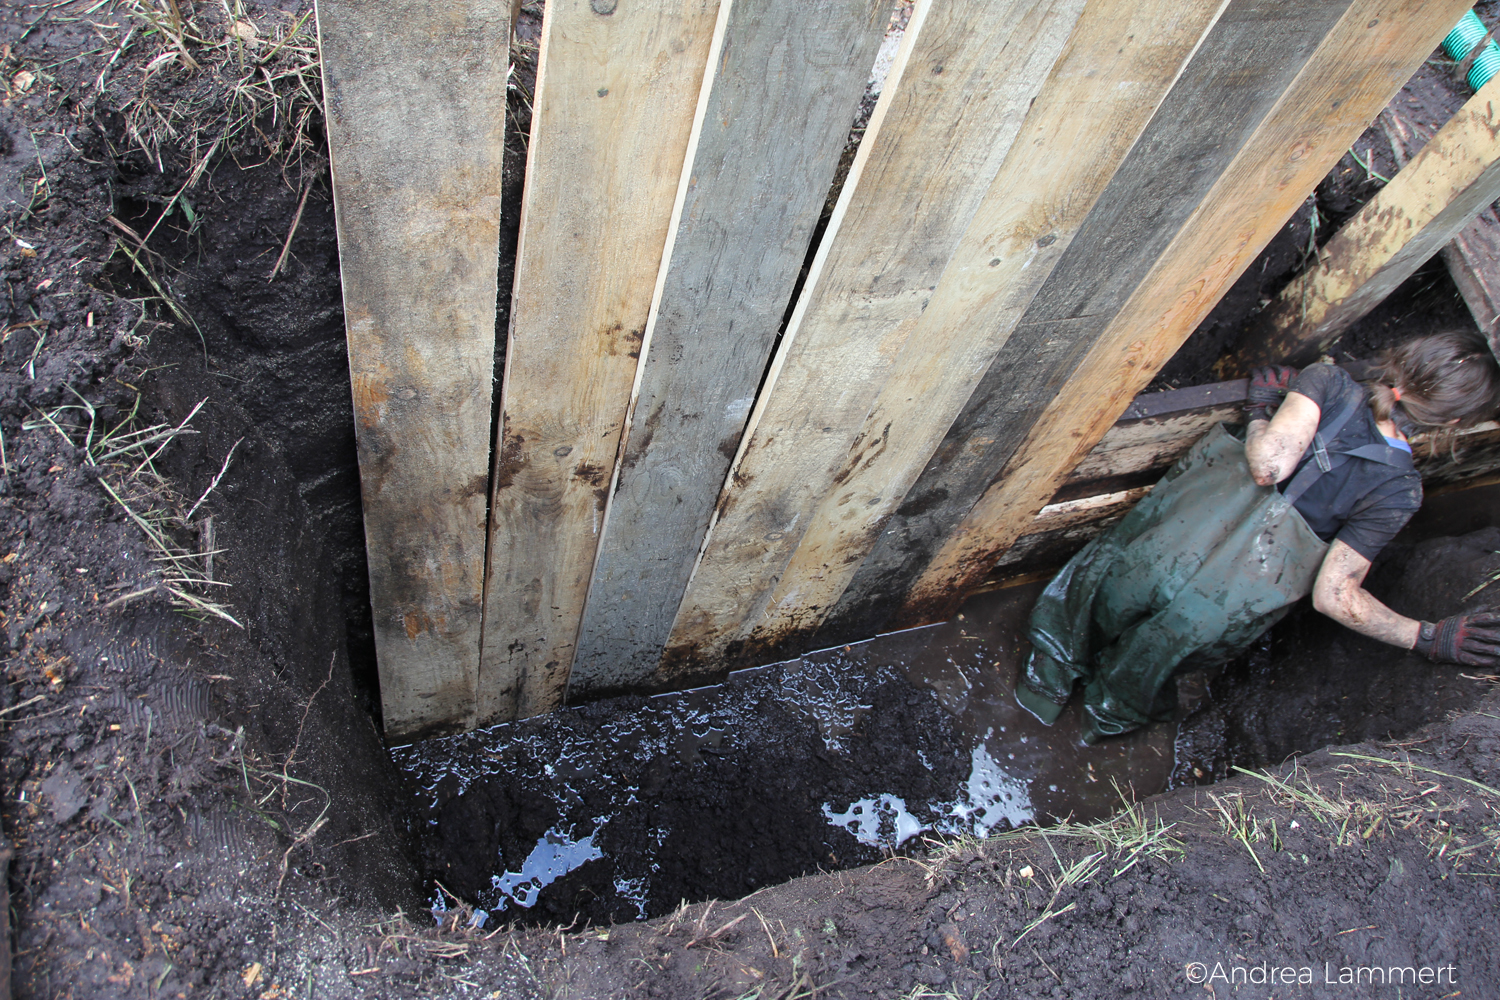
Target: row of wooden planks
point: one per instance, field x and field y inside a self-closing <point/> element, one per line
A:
<point x="1049" y="197"/>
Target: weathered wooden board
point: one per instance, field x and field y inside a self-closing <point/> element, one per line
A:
<point x="1252" y="53"/>
<point x="416" y="132"/>
<point x="1117" y="66"/>
<point x="617" y="88"/>
<point x="787" y="83"/>
<point x="1358" y="66"/>
<point x="951" y="108"/>
<point x="1063" y="528"/>
<point x="1437" y="194"/>
<point x="1473" y="258"/>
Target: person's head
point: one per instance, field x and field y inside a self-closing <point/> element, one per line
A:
<point x="1443" y="380"/>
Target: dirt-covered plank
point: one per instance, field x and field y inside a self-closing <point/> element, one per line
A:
<point x="1436" y="195"/>
<point x="1118" y="65"/>
<point x="617" y="88"/>
<point x="787" y="82"/>
<point x="1357" y="67"/>
<point x="951" y="108"/>
<point x="1249" y="57"/>
<point x="415" y="97"/>
<point x="1473" y="258"/>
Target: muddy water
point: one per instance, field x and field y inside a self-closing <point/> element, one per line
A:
<point x="620" y="809"/>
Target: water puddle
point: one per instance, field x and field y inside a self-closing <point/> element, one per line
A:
<point x="620" y="809"/>
<point x="554" y="856"/>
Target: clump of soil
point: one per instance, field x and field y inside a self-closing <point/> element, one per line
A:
<point x="196" y="790"/>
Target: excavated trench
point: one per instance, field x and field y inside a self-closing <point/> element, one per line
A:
<point x="620" y="809"/>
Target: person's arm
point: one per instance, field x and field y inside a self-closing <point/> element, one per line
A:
<point x="1339" y="593"/>
<point x="1273" y="447"/>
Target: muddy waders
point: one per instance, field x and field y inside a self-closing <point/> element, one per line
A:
<point x="1190" y="577"/>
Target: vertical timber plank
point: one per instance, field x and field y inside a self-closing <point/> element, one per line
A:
<point x="617" y="86"/>
<point x="1356" y="70"/>
<point x="415" y="95"/>
<point x="1116" y="68"/>
<point x="963" y="80"/>
<point x="1252" y="53"/>
<point x="776" y="112"/>
<point x="1453" y="178"/>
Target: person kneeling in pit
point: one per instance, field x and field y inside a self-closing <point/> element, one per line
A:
<point x="1218" y="551"/>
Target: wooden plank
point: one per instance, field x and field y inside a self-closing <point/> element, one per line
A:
<point x="787" y="83"/>
<point x="1115" y="70"/>
<point x="1473" y="258"/>
<point x="1064" y="526"/>
<point x="1061" y="529"/>
<point x="416" y="159"/>
<point x="617" y="87"/>
<point x="1137" y="453"/>
<point x="1358" y="66"/>
<point x="1453" y="178"/>
<point x="953" y="104"/>
<point x="1252" y="53"/>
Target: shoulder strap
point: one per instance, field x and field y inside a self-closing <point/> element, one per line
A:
<point x="1310" y="472"/>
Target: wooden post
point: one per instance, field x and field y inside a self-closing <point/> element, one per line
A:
<point x="951" y="108"/>
<point x="787" y="81"/>
<point x="1454" y="177"/>
<point x="1356" y="69"/>
<point x="1115" y="70"/>
<point x="1253" y="52"/>
<point x="415" y="95"/>
<point x="617" y="86"/>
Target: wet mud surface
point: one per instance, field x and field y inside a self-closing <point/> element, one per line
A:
<point x="621" y="809"/>
<point x="205" y="808"/>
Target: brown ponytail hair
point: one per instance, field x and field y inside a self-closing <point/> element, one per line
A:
<point x="1438" y="379"/>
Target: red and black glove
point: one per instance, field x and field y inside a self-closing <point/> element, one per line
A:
<point x="1268" y="387"/>
<point x="1473" y="640"/>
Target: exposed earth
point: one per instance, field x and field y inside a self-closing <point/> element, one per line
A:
<point x="198" y="801"/>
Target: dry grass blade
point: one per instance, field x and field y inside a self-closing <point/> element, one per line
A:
<point x="1486" y="789"/>
<point x="263" y="81"/>
<point x="138" y="483"/>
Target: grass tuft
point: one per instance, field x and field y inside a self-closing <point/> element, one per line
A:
<point x="124" y="457"/>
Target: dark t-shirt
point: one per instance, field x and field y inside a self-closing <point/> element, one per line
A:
<point x="1361" y="503"/>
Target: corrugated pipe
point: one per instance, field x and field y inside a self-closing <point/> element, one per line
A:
<point x="1461" y="41"/>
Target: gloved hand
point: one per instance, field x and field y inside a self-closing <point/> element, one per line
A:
<point x="1268" y="387"/>
<point x="1473" y="640"/>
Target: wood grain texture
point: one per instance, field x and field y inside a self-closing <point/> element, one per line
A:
<point x="1427" y="204"/>
<point x="617" y="87"/>
<point x="1252" y="53"/>
<point x="416" y="157"/>
<point x="785" y="88"/>
<point x="1473" y="258"/>
<point x="1356" y="69"/>
<point x="951" y="108"/>
<point x="1113" y="73"/>
<point x="1063" y="526"/>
